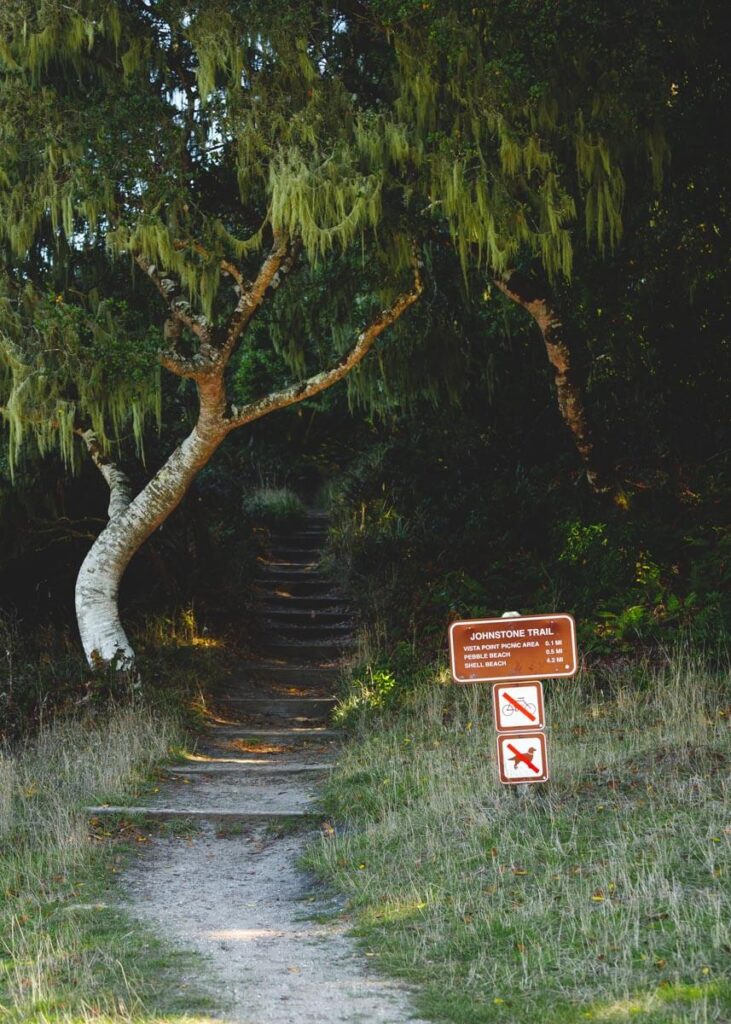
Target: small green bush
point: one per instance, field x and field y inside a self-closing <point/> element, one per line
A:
<point x="275" y="506"/>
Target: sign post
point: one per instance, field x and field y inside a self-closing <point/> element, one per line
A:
<point x="515" y="652"/>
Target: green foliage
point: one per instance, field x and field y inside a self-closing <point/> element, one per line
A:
<point x="185" y="137"/>
<point x="441" y="521"/>
<point x="71" y="361"/>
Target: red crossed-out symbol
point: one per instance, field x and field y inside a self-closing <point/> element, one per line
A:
<point x="519" y="707"/>
<point x="525" y="758"/>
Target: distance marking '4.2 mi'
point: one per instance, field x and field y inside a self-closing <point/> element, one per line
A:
<point x="518" y="706"/>
<point x="522" y="757"/>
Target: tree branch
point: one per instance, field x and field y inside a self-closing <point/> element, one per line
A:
<point x="120" y="489"/>
<point x="279" y="262"/>
<point x="171" y="358"/>
<point x="179" y="307"/>
<point x="535" y="298"/>
<point x="326" y="378"/>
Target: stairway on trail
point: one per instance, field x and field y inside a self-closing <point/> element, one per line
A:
<point x="269" y="741"/>
<point x="234" y="890"/>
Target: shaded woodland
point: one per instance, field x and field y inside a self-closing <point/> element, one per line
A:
<point x="541" y="423"/>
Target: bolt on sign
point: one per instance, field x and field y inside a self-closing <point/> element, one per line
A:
<point x="518" y="706"/>
<point x="524" y="647"/>
<point x="522" y="757"/>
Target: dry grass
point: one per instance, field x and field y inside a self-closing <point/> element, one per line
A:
<point x="602" y="895"/>
<point x="66" y="955"/>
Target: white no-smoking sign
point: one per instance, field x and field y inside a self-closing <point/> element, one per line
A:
<point x="518" y="706"/>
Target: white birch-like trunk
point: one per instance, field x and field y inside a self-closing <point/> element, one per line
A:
<point x="131" y="522"/>
<point x="97" y="586"/>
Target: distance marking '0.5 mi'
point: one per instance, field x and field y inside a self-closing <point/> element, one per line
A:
<point x="518" y="706"/>
<point x="522" y="757"/>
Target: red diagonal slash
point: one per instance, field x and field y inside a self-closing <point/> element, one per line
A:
<point x="520" y="707"/>
<point x="523" y="758"/>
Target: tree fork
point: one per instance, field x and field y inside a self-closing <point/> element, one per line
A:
<point x="132" y="521"/>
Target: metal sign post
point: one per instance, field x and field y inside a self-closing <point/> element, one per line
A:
<point x="515" y="656"/>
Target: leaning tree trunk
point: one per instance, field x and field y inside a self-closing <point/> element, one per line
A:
<point x="97" y="586"/>
<point x="132" y="521"/>
<point x="535" y="298"/>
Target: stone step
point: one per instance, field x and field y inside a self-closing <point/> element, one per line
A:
<point x="267" y="714"/>
<point x="293" y="552"/>
<point x="279" y="704"/>
<point x="220" y="700"/>
<point x="305" y="533"/>
<point x="298" y="732"/>
<point x="274" y="629"/>
<point x="271" y="571"/>
<point x="303" y="586"/>
<point x="297" y="565"/>
<point x="255" y="760"/>
<point x="316" y="653"/>
<point x="277" y="672"/>
<point x="283" y="602"/>
<point x="215" y="814"/>
<point x="303" y="616"/>
<point x="256" y="769"/>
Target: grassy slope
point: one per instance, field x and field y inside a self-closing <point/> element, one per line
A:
<point x="65" y="954"/>
<point x="601" y="896"/>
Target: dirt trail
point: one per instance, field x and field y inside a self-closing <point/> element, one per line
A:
<point x="234" y="892"/>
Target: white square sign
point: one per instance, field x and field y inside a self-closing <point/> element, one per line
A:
<point x="522" y="758"/>
<point x="518" y="706"/>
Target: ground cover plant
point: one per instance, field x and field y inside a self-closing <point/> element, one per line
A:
<point x="68" y="951"/>
<point x="602" y="896"/>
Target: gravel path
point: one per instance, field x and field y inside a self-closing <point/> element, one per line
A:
<point x="234" y="891"/>
<point x="243" y="902"/>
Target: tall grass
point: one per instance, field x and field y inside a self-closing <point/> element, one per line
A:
<point x="275" y="506"/>
<point x="65" y="955"/>
<point x="602" y="895"/>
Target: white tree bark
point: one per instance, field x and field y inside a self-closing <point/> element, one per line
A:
<point x="132" y="521"/>
<point x="103" y="637"/>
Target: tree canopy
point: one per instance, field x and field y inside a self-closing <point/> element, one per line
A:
<point x="183" y="135"/>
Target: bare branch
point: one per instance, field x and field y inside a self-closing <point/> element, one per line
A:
<point x="535" y="298"/>
<point x="233" y="271"/>
<point x="171" y="358"/>
<point x="326" y="378"/>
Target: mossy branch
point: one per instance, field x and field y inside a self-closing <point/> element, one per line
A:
<point x="326" y="378"/>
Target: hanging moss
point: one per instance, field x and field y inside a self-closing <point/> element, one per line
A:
<point x="64" y="365"/>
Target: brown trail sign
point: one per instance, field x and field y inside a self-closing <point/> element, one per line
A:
<point x="519" y="648"/>
<point x="514" y="653"/>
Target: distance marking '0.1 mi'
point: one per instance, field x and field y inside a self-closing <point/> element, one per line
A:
<point x="521" y="648"/>
<point x="522" y="757"/>
<point x="518" y="706"/>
